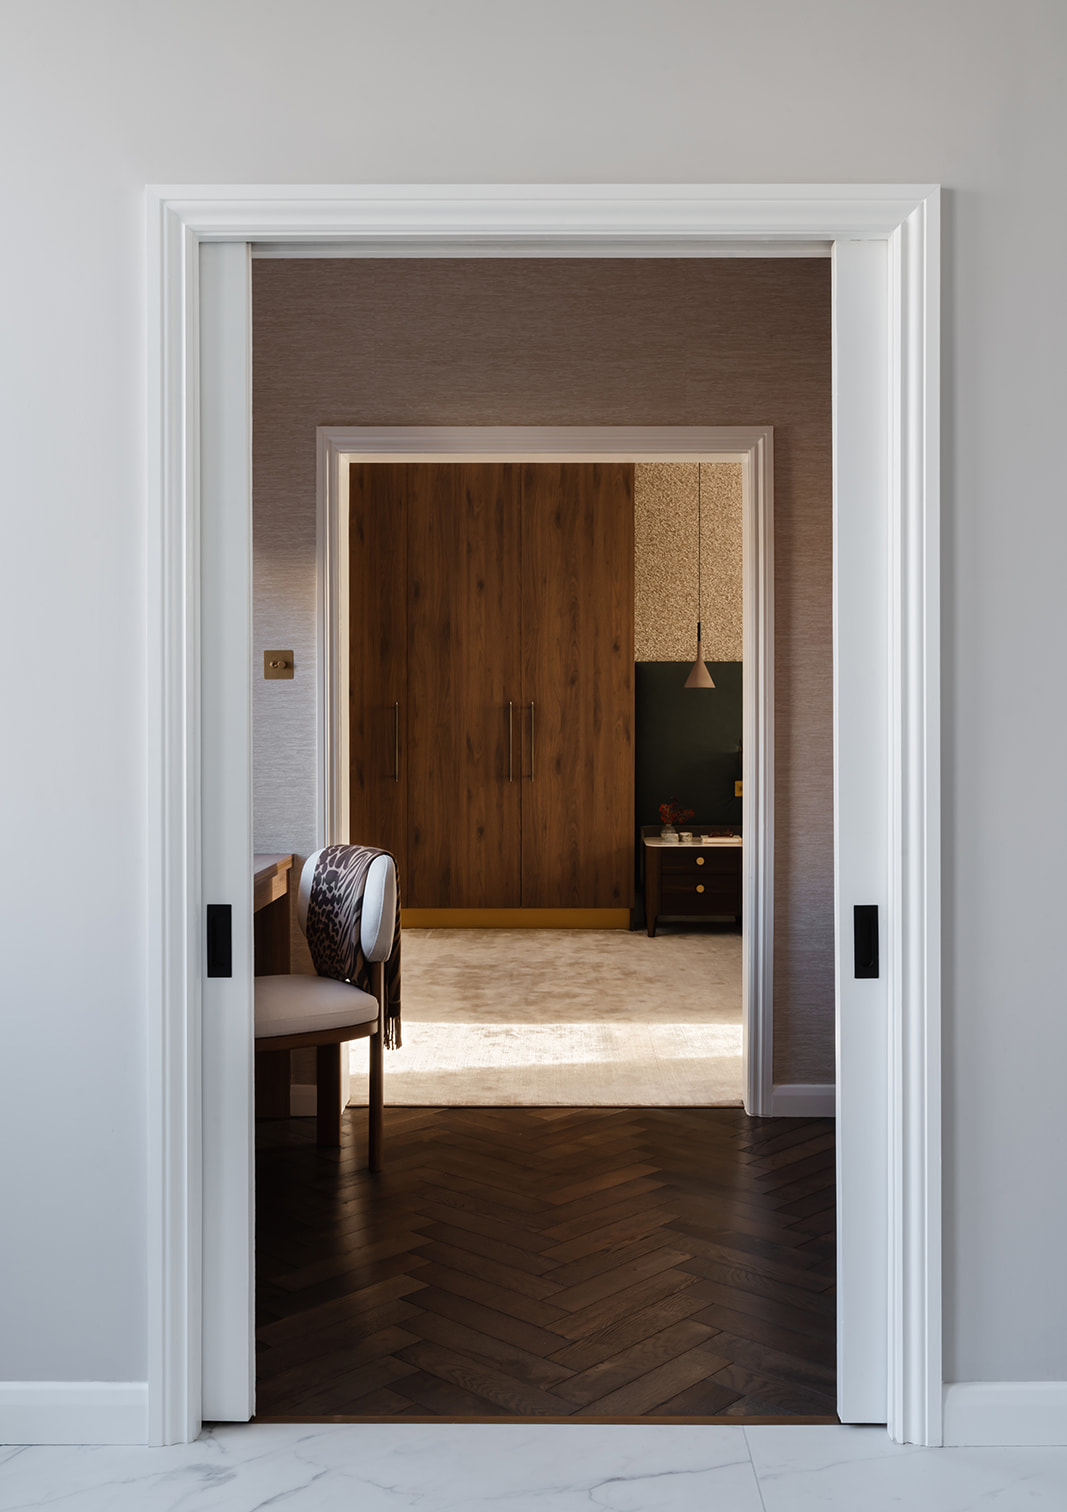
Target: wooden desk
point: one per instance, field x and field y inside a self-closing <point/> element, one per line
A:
<point x="271" y="910"/>
<point x="691" y="880"/>
<point x="271" y="895"/>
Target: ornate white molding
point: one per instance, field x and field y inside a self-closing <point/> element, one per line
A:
<point x="546" y="220"/>
<point x="915" y="1392"/>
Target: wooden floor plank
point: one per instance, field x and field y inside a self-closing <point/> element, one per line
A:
<point x="657" y="1386"/>
<point x="515" y="1263"/>
<point x="470" y="1262"/>
<point x="482" y="1378"/>
<point x="630" y="1330"/>
<point x="521" y="1363"/>
<point x="620" y="1369"/>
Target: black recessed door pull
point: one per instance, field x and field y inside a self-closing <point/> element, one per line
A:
<point x="219" y="940"/>
<point x="865" y="938"/>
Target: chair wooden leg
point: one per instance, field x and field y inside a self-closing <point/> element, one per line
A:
<point x="328" y="1094"/>
<point x="375" y="1104"/>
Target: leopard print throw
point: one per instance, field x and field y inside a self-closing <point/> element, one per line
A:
<point x="334" y="918"/>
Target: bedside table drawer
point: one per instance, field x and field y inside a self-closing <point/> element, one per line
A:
<point x="700" y="862"/>
<point x="716" y="895"/>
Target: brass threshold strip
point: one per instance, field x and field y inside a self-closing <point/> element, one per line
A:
<point x="629" y="1422"/>
<point x="515" y="918"/>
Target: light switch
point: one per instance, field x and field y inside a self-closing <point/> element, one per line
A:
<point x="277" y="664"/>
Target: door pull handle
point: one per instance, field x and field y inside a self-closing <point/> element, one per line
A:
<point x="511" y="743"/>
<point x="396" y="742"/>
<point x="219" y="940"/>
<point x="865" y="939"/>
<point x="531" y="740"/>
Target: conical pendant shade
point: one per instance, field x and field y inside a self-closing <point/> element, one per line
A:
<point x="699" y="677"/>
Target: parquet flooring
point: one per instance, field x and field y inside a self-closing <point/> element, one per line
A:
<point x="548" y="1262"/>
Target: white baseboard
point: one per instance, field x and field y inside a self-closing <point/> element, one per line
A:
<point x="999" y="1413"/>
<point x="803" y="1100"/>
<point x="73" y="1412"/>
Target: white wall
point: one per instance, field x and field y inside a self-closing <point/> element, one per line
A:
<point x="97" y="100"/>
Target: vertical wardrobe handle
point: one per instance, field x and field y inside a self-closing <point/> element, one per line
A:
<point x="511" y="743"/>
<point x="396" y="742"/>
<point x="531" y="740"/>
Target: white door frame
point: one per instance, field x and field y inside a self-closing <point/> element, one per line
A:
<point x="887" y="847"/>
<point x="752" y="447"/>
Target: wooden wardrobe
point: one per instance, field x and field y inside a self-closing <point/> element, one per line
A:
<point x="491" y="680"/>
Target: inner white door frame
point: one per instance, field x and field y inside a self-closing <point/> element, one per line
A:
<point x="886" y="347"/>
<point x="750" y="446"/>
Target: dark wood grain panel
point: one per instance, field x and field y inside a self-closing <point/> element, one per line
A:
<point x="377" y="658"/>
<point x="577" y="633"/>
<point x="463" y="669"/>
<point x="373" y="1304"/>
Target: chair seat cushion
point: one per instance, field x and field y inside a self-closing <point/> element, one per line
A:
<point x="300" y="1004"/>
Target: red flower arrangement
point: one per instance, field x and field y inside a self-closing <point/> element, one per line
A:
<point x="672" y="812"/>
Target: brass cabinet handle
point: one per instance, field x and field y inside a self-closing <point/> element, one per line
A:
<point x="531" y="740"/>
<point x="700" y="887"/>
<point x="511" y="743"/>
<point x="396" y="742"/>
<point x="700" y="860"/>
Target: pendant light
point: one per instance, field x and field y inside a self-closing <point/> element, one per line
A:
<point x="699" y="677"/>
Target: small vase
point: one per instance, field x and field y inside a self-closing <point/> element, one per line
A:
<point x="668" y="832"/>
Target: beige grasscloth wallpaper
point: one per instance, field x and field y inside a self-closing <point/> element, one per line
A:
<point x="680" y="341"/>
<point x="667" y="586"/>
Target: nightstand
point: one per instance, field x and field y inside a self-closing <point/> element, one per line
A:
<point x="693" y="879"/>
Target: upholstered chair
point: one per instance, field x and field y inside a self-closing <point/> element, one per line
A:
<point x="297" y="1011"/>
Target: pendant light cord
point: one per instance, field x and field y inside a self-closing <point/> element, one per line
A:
<point x="700" y="532"/>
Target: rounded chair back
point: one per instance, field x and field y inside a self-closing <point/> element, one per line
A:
<point x="379" y="904"/>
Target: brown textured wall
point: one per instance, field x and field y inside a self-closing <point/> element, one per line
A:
<point x="580" y="342"/>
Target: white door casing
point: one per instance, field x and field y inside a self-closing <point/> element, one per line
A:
<point x="752" y="447"/>
<point x="227" y="1032"/>
<point x="886" y="523"/>
<point x="861" y="814"/>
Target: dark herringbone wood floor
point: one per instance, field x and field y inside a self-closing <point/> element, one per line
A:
<point x="548" y="1262"/>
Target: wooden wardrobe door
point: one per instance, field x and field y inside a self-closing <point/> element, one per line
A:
<point x="578" y="667"/>
<point x="463" y="668"/>
<point x="377" y="657"/>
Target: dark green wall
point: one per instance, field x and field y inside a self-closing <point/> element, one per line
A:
<point x="686" y="741"/>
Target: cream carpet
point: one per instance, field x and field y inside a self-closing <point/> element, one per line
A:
<point x="565" y="1018"/>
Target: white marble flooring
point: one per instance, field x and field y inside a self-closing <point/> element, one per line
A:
<point x="534" y="1468"/>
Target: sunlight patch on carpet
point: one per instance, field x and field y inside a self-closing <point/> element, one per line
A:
<point x="559" y="1065"/>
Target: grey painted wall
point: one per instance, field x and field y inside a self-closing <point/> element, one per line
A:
<point x="97" y="101"/>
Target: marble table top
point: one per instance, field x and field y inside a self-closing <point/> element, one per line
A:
<point x="695" y="843"/>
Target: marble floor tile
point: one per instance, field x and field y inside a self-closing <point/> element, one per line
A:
<point x="804" y="1468"/>
<point x="533" y="1468"/>
<point x="387" y="1468"/>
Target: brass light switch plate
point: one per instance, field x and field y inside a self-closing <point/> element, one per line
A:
<point x="737" y="785"/>
<point x="277" y="664"/>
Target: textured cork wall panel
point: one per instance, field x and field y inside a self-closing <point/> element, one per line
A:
<point x="665" y="561"/>
<point x="565" y="342"/>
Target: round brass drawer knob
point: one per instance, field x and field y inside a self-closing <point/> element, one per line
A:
<point x="700" y="860"/>
<point x="700" y="887"/>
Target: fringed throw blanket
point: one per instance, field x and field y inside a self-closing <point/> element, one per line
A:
<point x="334" y="920"/>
